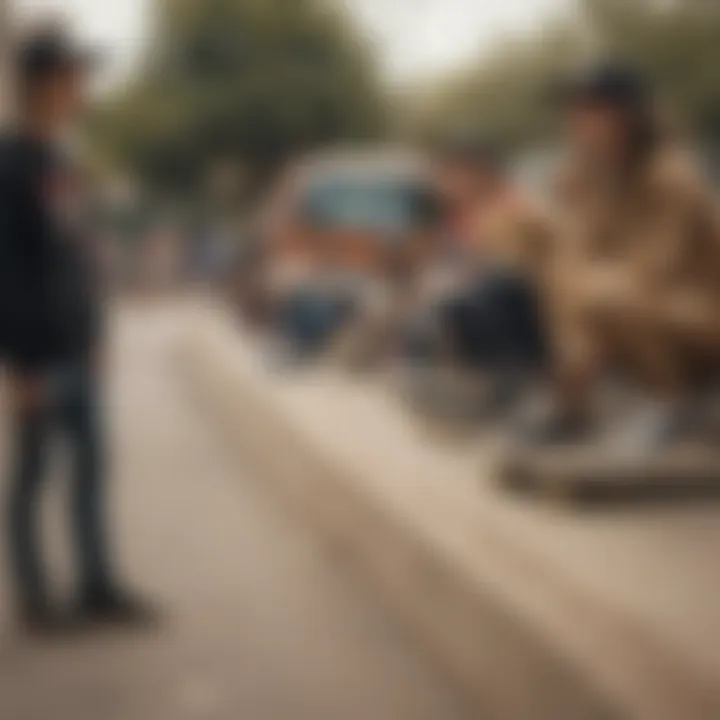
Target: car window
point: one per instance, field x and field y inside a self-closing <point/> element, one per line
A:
<point x="383" y="206"/>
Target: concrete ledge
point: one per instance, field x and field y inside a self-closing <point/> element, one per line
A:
<point x="504" y="593"/>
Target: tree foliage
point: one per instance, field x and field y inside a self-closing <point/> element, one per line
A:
<point x="245" y="81"/>
<point x="502" y="95"/>
<point x="674" y="41"/>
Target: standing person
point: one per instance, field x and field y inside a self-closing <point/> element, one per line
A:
<point x="636" y="284"/>
<point x="50" y="333"/>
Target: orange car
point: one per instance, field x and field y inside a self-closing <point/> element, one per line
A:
<point x="352" y="211"/>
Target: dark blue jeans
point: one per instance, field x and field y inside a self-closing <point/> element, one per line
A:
<point x="497" y="323"/>
<point x="71" y="412"/>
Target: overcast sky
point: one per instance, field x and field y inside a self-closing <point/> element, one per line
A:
<point x="416" y="37"/>
<point x="428" y="36"/>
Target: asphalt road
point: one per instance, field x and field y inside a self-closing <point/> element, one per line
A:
<point x="261" y="622"/>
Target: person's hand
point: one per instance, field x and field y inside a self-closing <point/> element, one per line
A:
<point x="26" y="392"/>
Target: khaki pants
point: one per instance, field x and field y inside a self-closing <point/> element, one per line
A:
<point x="605" y="317"/>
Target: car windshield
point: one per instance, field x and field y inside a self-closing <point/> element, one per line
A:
<point x="387" y="206"/>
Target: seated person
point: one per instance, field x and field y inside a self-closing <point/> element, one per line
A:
<point x="635" y="278"/>
<point x="489" y="321"/>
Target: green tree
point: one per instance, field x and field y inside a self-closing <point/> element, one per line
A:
<point x="249" y="81"/>
<point x="675" y="43"/>
<point x="503" y="95"/>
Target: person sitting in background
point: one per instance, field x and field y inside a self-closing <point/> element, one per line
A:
<point x="635" y="283"/>
<point x="488" y="320"/>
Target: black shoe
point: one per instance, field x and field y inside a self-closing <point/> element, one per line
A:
<point x="115" y="607"/>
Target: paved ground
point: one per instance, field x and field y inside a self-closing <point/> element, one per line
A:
<point x="628" y="591"/>
<point x="262" y="624"/>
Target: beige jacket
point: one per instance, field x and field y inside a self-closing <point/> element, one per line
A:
<point x="661" y="229"/>
<point x="516" y="232"/>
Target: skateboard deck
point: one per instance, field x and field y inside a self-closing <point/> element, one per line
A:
<point x="585" y="474"/>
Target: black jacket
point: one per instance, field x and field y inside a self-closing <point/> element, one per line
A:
<point x="48" y="300"/>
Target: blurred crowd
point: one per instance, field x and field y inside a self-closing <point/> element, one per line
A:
<point x="532" y="304"/>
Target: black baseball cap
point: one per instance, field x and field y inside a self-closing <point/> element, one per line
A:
<point x="50" y="51"/>
<point x="609" y="84"/>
